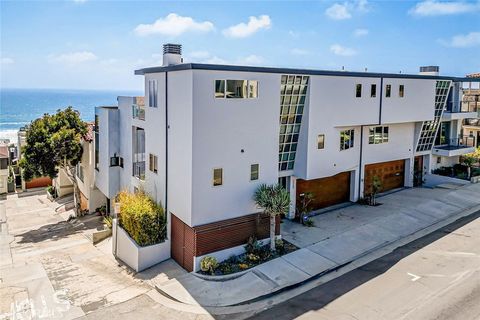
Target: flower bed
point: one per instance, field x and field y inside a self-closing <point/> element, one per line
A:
<point x="255" y="254"/>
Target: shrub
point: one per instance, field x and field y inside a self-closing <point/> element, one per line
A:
<point x="252" y="246"/>
<point x="142" y="218"/>
<point x="108" y="222"/>
<point x="309" y="222"/>
<point x="208" y="264"/>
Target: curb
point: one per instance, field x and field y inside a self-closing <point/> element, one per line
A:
<point x="268" y="300"/>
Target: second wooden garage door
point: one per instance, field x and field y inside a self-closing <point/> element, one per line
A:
<point x="391" y="174"/>
<point x="326" y="191"/>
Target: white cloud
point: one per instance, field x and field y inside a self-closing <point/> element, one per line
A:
<point x="79" y="1"/>
<point x="438" y="8"/>
<point x="251" y="60"/>
<point x="299" y="52"/>
<point x="243" y="30"/>
<point x="215" y="60"/>
<point x="345" y="10"/>
<point x="342" y="51"/>
<point x="199" y="54"/>
<point x="5" y="61"/>
<point x="73" y="57"/>
<point x="463" y="40"/>
<point x="360" y="32"/>
<point x="173" y="25"/>
<point x="338" y="12"/>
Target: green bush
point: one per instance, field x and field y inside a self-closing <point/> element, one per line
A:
<point x="208" y="264"/>
<point x="142" y="218"/>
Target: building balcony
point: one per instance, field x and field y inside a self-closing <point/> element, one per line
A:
<point x="455" y="147"/>
<point x="138" y="112"/>
<point x="473" y="123"/>
<point x="139" y="169"/>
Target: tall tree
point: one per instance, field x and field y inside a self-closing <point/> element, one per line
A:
<point x="54" y="142"/>
<point x="274" y="200"/>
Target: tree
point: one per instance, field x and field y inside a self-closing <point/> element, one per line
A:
<point x="470" y="159"/>
<point x="54" y="142"/>
<point x="274" y="200"/>
<point x="376" y="188"/>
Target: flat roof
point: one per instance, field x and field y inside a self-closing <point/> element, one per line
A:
<point x="220" y="67"/>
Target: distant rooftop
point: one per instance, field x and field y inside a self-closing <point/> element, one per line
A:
<point x="218" y="67"/>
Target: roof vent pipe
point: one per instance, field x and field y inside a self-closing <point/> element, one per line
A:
<point x="172" y="54"/>
<point x="430" y="70"/>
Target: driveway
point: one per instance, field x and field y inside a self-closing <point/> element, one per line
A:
<point x="50" y="269"/>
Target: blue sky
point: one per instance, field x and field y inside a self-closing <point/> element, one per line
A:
<point x="87" y="44"/>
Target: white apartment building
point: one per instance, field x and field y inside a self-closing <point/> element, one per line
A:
<point x="208" y="135"/>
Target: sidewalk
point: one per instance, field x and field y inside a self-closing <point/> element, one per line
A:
<point x="340" y="237"/>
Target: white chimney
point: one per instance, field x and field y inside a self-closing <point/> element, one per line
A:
<point x="429" y="70"/>
<point x="172" y="54"/>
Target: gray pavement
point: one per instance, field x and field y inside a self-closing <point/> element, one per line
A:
<point x="434" y="277"/>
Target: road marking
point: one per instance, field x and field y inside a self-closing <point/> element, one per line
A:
<point x="414" y="276"/>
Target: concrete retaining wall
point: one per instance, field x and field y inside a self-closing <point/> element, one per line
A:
<point x="136" y="257"/>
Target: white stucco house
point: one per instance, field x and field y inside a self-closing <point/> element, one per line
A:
<point x="206" y="136"/>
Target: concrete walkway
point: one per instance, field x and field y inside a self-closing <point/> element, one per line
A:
<point x="340" y="237"/>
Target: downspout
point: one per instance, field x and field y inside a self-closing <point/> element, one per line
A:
<point x="380" y="104"/>
<point x="360" y="163"/>
<point x="166" y="145"/>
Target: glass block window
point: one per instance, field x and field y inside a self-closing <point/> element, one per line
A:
<point x="430" y="128"/>
<point x="347" y="139"/>
<point x="293" y="92"/>
<point x="378" y="135"/>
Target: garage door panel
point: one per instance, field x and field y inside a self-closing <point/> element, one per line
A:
<point x="326" y="191"/>
<point x="391" y="174"/>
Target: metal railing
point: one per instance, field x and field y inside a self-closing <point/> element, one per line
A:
<point x="456" y="143"/>
<point x="139" y="170"/>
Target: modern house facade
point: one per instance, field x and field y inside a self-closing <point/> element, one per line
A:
<point x="471" y="103"/>
<point x="4" y="167"/>
<point x="206" y="136"/>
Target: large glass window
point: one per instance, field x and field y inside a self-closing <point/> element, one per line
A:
<point x="239" y="89"/>
<point x="346" y="139"/>
<point x="293" y="93"/>
<point x="378" y="135"/>
<point x="236" y="89"/>
<point x="358" y="91"/>
<point x="217" y="177"/>
<point x="254" y="173"/>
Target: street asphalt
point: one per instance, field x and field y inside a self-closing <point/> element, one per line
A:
<point x="434" y="277"/>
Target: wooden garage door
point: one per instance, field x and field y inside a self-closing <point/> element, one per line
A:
<point x="391" y="174"/>
<point x="326" y="191"/>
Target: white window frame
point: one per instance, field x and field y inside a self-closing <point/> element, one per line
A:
<point x="248" y="95"/>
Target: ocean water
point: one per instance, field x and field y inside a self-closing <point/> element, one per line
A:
<point x="19" y="107"/>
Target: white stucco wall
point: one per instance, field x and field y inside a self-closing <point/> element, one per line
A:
<point x="221" y="129"/>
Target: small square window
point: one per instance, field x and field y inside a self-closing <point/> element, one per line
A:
<point x="358" y="91"/>
<point x="217" y="177"/>
<point x="219" y="88"/>
<point x="254" y="172"/>
<point x="321" y="141"/>
<point x="153" y="163"/>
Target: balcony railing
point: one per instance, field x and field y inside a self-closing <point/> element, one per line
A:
<point x="138" y="112"/>
<point x="472" y="122"/>
<point x="139" y="170"/>
<point x="456" y="143"/>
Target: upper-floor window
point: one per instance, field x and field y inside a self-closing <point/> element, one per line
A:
<point x="153" y="93"/>
<point x="79" y="171"/>
<point x="378" y="135"/>
<point x="401" y="91"/>
<point x="358" y="90"/>
<point x="346" y="139"/>
<point x="241" y="89"/>
<point x="373" y="90"/>
<point x="321" y="141"/>
<point x="153" y="163"/>
<point x="217" y="177"/>
<point x="388" y="90"/>
<point x="254" y="172"/>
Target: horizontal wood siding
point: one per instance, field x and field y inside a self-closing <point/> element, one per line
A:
<point x="188" y="242"/>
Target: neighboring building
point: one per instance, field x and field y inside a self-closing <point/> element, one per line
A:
<point x="208" y="135"/>
<point x="90" y="197"/>
<point x="4" y="169"/>
<point x="471" y="103"/>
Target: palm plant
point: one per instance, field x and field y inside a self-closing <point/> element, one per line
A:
<point x="274" y="200"/>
